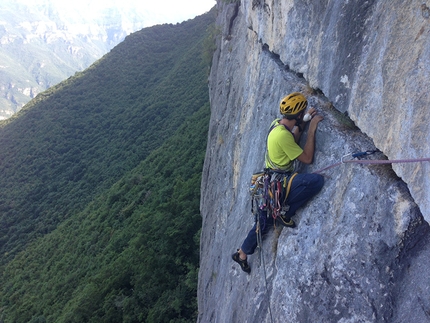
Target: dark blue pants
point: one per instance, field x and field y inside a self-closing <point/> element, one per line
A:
<point x="303" y="188"/>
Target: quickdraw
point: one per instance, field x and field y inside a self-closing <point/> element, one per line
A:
<point x="269" y="191"/>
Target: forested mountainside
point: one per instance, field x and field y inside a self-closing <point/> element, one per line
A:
<point x="100" y="178"/>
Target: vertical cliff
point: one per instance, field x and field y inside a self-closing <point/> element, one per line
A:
<point x="360" y="252"/>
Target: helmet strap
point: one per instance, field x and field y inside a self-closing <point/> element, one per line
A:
<point x="299" y="117"/>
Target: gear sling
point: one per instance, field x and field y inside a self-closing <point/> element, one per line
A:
<point x="269" y="192"/>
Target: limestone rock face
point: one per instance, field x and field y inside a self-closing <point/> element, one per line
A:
<point x="360" y="252"/>
<point x="371" y="59"/>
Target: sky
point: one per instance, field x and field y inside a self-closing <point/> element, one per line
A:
<point x="178" y="10"/>
<point x="161" y="11"/>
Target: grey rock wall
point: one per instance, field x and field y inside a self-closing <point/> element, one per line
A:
<point x="371" y="59"/>
<point x="360" y="252"/>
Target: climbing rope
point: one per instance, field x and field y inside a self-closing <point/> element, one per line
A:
<point x="260" y="244"/>
<point x="370" y="161"/>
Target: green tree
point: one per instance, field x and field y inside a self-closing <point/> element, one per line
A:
<point x="100" y="211"/>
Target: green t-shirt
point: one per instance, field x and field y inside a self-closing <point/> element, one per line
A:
<point x="282" y="149"/>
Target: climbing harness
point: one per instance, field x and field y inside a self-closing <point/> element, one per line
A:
<point x="369" y="161"/>
<point x="269" y="192"/>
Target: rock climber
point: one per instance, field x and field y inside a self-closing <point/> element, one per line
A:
<point x="282" y="150"/>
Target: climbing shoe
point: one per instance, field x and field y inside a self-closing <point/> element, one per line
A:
<point x="285" y="221"/>
<point x="243" y="263"/>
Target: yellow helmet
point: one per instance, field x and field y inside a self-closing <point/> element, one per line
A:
<point x="292" y="104"/>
